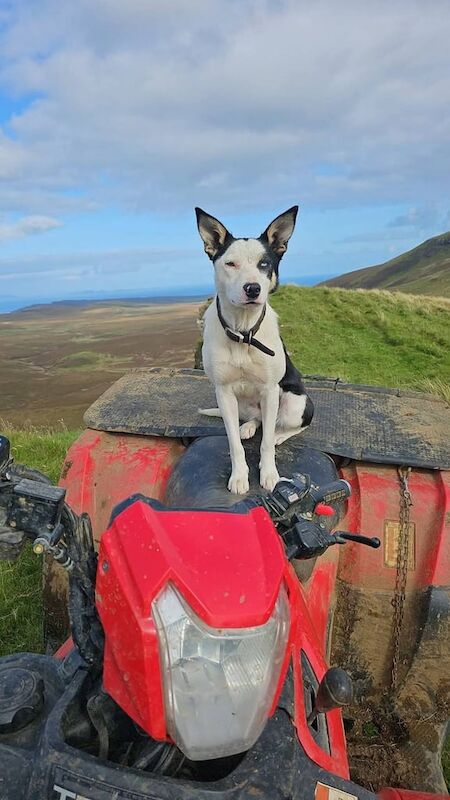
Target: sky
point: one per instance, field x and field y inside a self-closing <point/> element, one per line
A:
<point x="117" y="118"/>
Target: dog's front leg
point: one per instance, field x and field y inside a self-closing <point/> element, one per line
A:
<point x="228" y="405"/>
<point x="270" y="399"/>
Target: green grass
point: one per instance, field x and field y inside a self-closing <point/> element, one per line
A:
<point x="90" y="359"/>
<point x="20" y="582"/>
<point x="374" y="337"/>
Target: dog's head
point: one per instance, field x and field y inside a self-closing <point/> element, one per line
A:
<point x="246" y="269"/>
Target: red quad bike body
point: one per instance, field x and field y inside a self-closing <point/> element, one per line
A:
<point x="382" y="614"/>
<point x="229" y="568"/>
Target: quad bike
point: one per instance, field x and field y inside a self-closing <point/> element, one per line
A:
<point x="201" y="634"/>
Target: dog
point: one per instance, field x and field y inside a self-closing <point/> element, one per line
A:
<point x="243" y="353"/>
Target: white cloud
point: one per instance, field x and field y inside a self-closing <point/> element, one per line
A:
<point x="27" y="226"/>
<point x="227" y="103"/>
<point x="98" y="264"/>
<point x="419" y="221"/>
<point x="421" y="218"/>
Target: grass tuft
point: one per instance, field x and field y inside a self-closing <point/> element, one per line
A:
<point x="90" y="359"/>
<point x="437" y="387"/>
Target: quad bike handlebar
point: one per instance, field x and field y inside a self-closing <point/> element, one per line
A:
<point x="32" y="508"/>
<point x="296" y="505"/>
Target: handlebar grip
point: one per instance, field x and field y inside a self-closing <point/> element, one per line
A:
<point x="338" y="490"/>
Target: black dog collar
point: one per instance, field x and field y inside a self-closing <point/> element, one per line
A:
<point x="245" y="337"/>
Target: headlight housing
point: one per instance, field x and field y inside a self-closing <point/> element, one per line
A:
<point x="219" y="685"/>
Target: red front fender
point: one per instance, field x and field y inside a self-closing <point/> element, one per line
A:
<point x="405" y="794"/>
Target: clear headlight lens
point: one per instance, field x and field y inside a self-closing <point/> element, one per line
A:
<point x="219" y="684"/>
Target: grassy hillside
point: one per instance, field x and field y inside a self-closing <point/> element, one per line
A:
<point x="423" y="270"/>
<point x="374" y="337"/>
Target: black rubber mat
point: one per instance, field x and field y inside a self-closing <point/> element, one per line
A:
<point x="366" y="423"/>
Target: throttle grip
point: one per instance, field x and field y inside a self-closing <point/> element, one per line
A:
<point x="338" y="490"/>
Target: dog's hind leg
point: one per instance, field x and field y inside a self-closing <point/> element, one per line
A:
<point x="250" y="413"/>
<point x="294" y="415"/>
<point x="246" y="430"/>
<point x="249" y="428"/>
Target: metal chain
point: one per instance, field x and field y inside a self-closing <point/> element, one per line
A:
<point x="398" y="600"/>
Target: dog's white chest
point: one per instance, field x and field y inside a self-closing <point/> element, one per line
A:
<point x="245" y="371"/>
<point x="241" y="366"/>
<point x="244" y="368"/>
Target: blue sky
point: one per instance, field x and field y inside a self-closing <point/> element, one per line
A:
<point x="116" y="119"/>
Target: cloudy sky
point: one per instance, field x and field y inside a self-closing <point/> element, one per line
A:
<point x="118" y="117"/>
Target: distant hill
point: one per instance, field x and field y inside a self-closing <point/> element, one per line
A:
<point x="60" y="307"/>
<point x="423" y="270"/>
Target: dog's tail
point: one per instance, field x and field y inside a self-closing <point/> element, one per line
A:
<point x="210" y="412"/>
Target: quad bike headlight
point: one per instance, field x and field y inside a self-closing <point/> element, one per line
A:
<point x="219" y="685"/>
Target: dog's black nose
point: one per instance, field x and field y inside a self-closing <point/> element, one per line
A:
<point x="252" y="290"/>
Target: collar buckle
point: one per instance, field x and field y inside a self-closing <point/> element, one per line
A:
<point x="237" y="336"/>
<point x="244" y="337"/>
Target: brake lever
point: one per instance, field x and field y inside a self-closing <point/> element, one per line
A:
<point x="307" y="539"/>
<point x="342" y="537"/>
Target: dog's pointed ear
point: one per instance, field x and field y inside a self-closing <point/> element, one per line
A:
<point x="213" y="233"/>
<point x="280" y="230"/>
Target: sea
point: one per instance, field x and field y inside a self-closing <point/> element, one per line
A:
<point x="188" y="294"/>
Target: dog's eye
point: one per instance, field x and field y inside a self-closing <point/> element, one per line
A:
<point x="230" y="264"/>
<point x="264" y="264"/>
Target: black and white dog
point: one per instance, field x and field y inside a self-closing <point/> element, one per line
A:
<point x="243" y="354"/>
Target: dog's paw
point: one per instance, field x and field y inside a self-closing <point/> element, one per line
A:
<point x="269" y="477"/>
<point x="248" y="429"/>
<point x="238" y="483"/>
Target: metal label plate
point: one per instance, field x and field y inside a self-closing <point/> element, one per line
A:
<point x="391" y="539"/>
